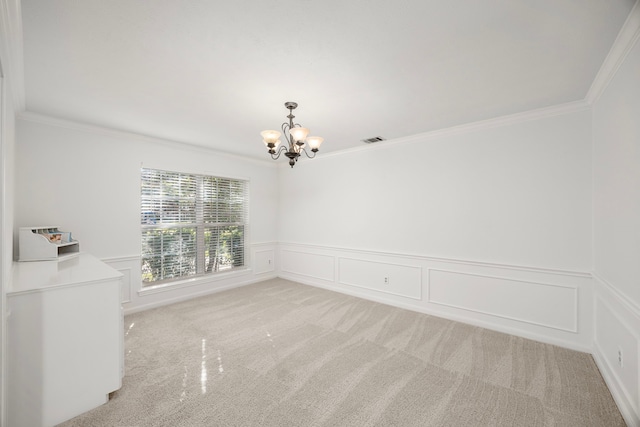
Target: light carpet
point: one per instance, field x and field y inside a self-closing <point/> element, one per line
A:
<point x="279" y="353"/>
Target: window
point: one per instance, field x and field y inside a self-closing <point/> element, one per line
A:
<point x="192" y="225"/>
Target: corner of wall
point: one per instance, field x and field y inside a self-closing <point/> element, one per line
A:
<point x="616" y="347"/>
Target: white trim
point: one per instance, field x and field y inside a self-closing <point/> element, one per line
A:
<point x="272" y="261"/>
<point x="620" y="394"/>
<point x="633" y="331"/>
<point x="625" y="405"/>
<point x="627" y="302"/>
<point x="265" y="250"/>
<point x="194" y="281"/>
<point x="511" y="119"/>
<point x="311" y="275"/>
<point x="121" y="259"/>
<point x="126" y="298"/>
<point x="447" y="315"/>
<point x="127" y="258"/>
<point x="447" y="260"/>
<point x="626" y="39"/>
<point x="274" y="244"/>
<point x="122" y="134"/>
<point x="575" y="299"/>
<point x="614" y="301"/>
<point x="182" y="297"/>
<point x="341" y="282"/>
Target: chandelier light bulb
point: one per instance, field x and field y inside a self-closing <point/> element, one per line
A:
<point x="270" y="136"/>
<point x="314" y="142"/>
<point x="299" y="134"/>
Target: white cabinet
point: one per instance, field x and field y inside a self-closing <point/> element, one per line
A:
<point x="65" y="348"/>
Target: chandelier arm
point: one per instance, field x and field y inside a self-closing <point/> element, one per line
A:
<point x="305" y="152"/>
<point x="280" y="150"/>
<point x="285" y="132"/>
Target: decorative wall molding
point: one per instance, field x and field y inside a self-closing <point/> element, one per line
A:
<point x="264" y="244"/>
<point x="193" y="281"/>
<point x="126" y="266"/>
<point x="617" y="328"/>
<point x="625" y="405"/>
<point x="126" y="258"/>
<point x="122" y="134"/>
<point x="409" y="256"/>
<point x="287" y="267"/>
<point x="569" y="321"/>
<point x="179" y="297"/>
<point x="620" y="296"/>
<point x="136" y="297"/>
<point x="264" y="261"/>
<point x="402" y="280"/>
<point x="126" y="285"/>
<point x="519" y="318"/>
<point x="626" y="39"/>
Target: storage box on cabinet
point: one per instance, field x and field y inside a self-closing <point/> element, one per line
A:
<point x="45" y="243"/>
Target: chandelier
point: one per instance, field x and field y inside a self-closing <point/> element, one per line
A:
<point x="296" y="137"/>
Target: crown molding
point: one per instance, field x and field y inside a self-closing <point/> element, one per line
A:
<point x="27" y="116"/>
<point x="12" y="48"/>
<point x="511" y="119"/>
<point x="626" y="39"/>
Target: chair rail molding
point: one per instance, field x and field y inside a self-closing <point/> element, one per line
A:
<point x="470" y="291"/>
<point x="262" y="265"/>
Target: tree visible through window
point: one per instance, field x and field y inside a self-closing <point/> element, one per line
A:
<point x="191" y="225"/>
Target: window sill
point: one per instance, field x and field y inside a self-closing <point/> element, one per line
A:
<point x="195" y="281"/>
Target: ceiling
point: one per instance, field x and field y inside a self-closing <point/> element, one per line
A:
<point x="216" y="73"/>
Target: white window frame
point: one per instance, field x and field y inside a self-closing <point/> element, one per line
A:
<point x="207" y="216"/>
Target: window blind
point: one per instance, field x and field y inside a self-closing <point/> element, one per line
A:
<point x="191" y="224"/>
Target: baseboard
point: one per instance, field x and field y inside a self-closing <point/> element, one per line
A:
<point x="450" y="316"/>
<point x="617" y="329"/>
<point x="502" y="297"/>
<point x="625" y="405"/>
<point x="186" y="297"/>
<point x="261" y="265"/>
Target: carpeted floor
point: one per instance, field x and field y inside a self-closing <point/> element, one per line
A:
<point x="278" y="353"/>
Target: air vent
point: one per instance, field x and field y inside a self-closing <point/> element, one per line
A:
<point x="372" y="140"/>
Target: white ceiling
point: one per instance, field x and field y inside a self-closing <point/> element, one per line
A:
<point x="216" y="73"/>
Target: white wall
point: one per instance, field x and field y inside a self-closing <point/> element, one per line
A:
<point x="87" y="181"/>
<point x="12" y="101"/>
<point x="516" y="194"/>
<point x="489" y="225"/>
<point x="7" y="150"/>
<point x="616" y="230"/>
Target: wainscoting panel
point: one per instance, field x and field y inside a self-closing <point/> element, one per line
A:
<point x="264" y="261"/>
<point x="262" y="265"/>
<point x="313" y="265"/>
<point x="126" y="266"/>
<point x="549" y="305"/>
<point x="541" y="304"/>
<point x="395" y="279"/>
<point x="617" y="347"/>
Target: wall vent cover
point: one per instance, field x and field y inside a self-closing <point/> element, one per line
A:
<point x="372" y="140"/>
